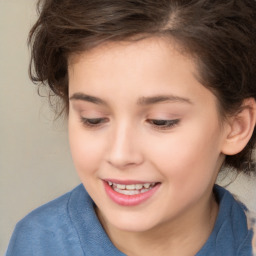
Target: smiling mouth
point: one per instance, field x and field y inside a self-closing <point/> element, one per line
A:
<point x="130" y="193"/>
<point x="132" y="189"/>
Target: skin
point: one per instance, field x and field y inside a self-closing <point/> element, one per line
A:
<point x="126" y="145"/>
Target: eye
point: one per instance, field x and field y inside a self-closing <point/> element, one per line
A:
<point x="163" y="124"/>
<point x="93" y="122"/>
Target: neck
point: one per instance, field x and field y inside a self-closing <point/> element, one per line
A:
<point x="184" y="235"/>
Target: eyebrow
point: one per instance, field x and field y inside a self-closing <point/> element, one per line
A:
<point x="88" y="98"/>
<point x="162" y="99"/>
<point x="141" y="101"/>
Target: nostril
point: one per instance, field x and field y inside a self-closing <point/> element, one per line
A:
<point x="125" y="159"/>
<point x="121" y="163"/>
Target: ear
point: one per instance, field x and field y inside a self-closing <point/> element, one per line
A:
<point x="240" y="128"/>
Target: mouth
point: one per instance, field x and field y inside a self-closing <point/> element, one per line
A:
<point x="131" y="189"/>
<point x="130" y="193"/>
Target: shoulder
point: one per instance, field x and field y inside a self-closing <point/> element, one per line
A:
<point x="231" y="235"/>
<point x="65" y="226"/>
<point x="55" y="211"/>
<point x="234" y="222"/>
<point x="47" y="229"/>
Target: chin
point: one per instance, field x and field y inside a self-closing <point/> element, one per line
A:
<point x="131" y="222"/>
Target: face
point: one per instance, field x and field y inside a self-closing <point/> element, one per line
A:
<point x="145" y="135"/>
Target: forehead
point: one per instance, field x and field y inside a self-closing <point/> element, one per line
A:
<point x="129" y="49"/>
<point x="153" y="53"/>
<point x="140" y="69"/>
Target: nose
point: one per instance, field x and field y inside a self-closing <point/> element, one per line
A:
<point x="124" y="148"/>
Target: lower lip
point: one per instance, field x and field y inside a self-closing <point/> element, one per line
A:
<point x="129" y="200"/>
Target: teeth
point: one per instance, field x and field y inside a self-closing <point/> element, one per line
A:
<point x="146" y="185"/>
<point x="120" y="186"/>
<point x="131" y="186"/>
<point x="138" y="186"/>
<point x="131" y="189"/>
<point x="127" y="192"/>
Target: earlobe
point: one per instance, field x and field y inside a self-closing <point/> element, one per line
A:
<point x="241" y="127"/>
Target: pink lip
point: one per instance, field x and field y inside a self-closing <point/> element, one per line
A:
<point x="129" y="200"/>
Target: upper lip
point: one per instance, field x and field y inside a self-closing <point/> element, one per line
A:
<point x="128" y="182"/>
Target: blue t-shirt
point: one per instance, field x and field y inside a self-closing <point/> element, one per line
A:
<point x="68" y="226"/>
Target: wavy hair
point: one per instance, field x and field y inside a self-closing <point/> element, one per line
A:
<point x="219" y="34"/>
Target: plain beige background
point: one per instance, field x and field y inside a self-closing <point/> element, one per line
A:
<point x="35" y="163"/>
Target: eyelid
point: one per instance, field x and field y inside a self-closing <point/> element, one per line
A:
<point x="88" y="110"/>
<point x="163" y="124"/>
<point x="158" y="124"/>
<point x="93" y="122"/>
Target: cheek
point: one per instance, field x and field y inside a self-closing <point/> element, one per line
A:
<point x="188" y="167"/>
<point x="85" y="150"/>
<point x="188" y="157"/>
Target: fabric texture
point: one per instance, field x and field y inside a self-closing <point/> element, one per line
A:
<point x="69" y="226"/>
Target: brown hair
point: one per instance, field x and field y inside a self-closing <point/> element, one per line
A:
<point x="220" y="34"/>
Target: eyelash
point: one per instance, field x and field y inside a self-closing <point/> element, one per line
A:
<point x="93" y="122"/>
<point x="162" y="124"/>
<point x="159" y="124"/>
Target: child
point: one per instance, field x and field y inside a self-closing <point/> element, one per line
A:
<point x="159" y="95"/>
